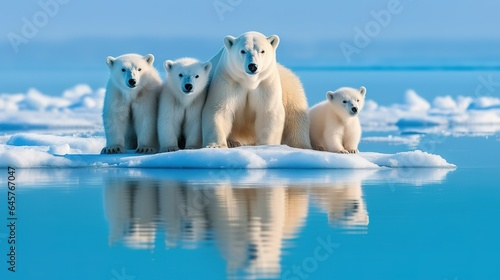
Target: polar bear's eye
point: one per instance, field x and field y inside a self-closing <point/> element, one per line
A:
<point x="345" y="101"/>
<point x="357" y="100"/>
<point x="180" y="75"/>
<point x="139" y="69"/>
<point x="123" y="69"/>
<point x="263" y="51"/>
<point x="243" y="52"/>
<point x="197" y="76"/>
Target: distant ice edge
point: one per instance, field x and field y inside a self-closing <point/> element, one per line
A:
<point x="81" y="106"/>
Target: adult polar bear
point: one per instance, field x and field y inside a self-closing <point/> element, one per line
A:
<point x="253" y="100"/>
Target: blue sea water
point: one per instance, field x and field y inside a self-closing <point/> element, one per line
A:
<point x="386" y="86"/>
<point x="271" y="224"/>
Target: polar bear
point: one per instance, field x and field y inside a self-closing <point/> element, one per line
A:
<point x="253" y="100"/>
<point x="130" y="104"/>
<point x="335" y="124"/>
<point x="181" y="103"/>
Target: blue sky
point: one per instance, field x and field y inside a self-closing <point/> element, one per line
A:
<point x="73" y="39"/>
<point x="48" y="32"/>
<point x="292" y="19"/>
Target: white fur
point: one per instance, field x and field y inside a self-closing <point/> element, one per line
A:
<point x="334" y="126"/>
<point x="180" y="106"/>
<point x="259" y="108"/>
<point x="130" y="113"/>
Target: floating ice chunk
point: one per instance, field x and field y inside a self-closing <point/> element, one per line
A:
<point x="485" y="103"/>
<point x="415" y="102"/>
<point x="75" y="94"/>
<point x="58" y="143"/>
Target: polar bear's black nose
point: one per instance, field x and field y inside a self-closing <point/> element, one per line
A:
<point x="252" y="67"/>
<point x="132" y="82"/>
<point x="354" y="109"/>
<point x="188" y="87"/>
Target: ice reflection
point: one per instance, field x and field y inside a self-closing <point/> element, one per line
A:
<point x="250" y="215"/>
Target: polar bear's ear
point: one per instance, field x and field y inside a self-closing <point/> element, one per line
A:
<point x="362" y="90"/>
<point x="207" y="66"/>
<point x="274" y="40"/>
<point x="110" y="61"/>
<point x="168" y="65"/>
<point x="149" y="58"/>
<point x="229" y="41"/>
<point x="330" y="95"/>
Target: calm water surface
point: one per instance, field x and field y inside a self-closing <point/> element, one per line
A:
<point x="263" y="224"/>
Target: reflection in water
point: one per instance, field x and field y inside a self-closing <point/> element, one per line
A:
<point x="343" y="202"/>
<point x="248" y="214"/>
<point x="248" y="224"/>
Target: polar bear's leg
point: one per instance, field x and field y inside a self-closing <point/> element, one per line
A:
<point x="216" y="128"/>
<point x="269" y="126"/>
<point x="169" y="127"/>
<point x="145" y="119"/>
<point x="267" y="104"/>
<point x="192" y="126"/>
<point x="318" y="142"/>
<point x="333" y="142"/>
<point x="218" y="113"/>
<point x="352" y="137"/>
<point x="116" y="119"/>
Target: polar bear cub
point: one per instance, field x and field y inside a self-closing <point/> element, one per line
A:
<point x="335" y="125"/>
<point x="181" y="104"/>
<point x="130" y="104"/>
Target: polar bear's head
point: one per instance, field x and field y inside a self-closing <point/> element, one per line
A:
<point x="127" y="71"/>
<point x="347" y="101"/>
<point x="251" y="53"/>
<point x="187" y="75"/>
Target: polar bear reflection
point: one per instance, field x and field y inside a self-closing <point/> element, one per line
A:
<point x="343" y="203"/>
<point x="249" y="224"/>
<point x="131" y="212"/>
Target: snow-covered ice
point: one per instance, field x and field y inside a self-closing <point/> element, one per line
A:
<point x="31" y="150"/>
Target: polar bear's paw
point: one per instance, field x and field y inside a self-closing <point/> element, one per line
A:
<point x="233" y="143"/>
<point x="169" y="149"/>
<point x="343" y="152"/>
<point x="145" y="150"/>
<point x="116" y="149"/>
<point x="353" y="151"/>
<point x="215" y="145"/>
